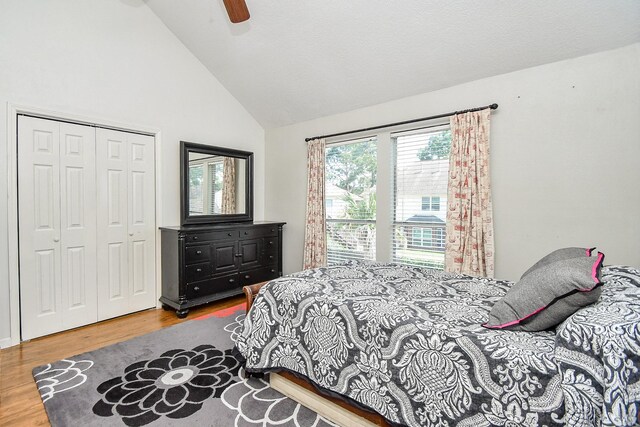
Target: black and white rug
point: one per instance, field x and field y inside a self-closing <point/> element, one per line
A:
<point x="181" y="375"/>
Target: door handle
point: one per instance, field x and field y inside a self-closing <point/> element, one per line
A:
<point x="198" y="270"/>
<point x="56" y="239"/>
<point x="196" y="289"/>
<point x="231" y="280"/>
<point x="198" y="252"/>
<point x="238" y="255"/>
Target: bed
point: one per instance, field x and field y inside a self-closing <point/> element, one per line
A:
<point x="407" y="343"/>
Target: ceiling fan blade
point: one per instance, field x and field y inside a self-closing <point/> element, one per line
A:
<point x="237" y="10"/>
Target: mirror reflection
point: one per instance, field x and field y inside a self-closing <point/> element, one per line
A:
<point x="216" y="184"/>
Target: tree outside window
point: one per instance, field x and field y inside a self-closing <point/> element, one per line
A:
<point x="438" y="147"/>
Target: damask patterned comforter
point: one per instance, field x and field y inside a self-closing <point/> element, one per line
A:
<point x="407" y="343"/>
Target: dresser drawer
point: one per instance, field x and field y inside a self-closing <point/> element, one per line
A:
<point x="212" y="286"/>
<point x="271" y="245"/>
<point x="256" y="276"/>
<point x="212" y="235"/>
<point x="197" y="272"/>
<point x="270" y="259"/>
<point x="196" y="254"/>
<point x="253" y="232"/>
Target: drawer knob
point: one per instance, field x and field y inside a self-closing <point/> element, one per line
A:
<point x="198" y="270"/>
<point x="270" y="256"/>
<point x="238" y="255"/>
<point x="270" y="242"/>
<point x="195" y="237"/>
<point x="196" y="289"/>
<point x="198" y="252"/>
<point x="273" y="229"/>
<point x="232" y="280"/>
<point x="246" y="232"/>
<point x="229" y="234"/>
<point x="247" y="276"/>
<point x="272" y="270"/>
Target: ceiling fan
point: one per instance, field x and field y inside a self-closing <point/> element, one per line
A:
<point x="237" y="10"/>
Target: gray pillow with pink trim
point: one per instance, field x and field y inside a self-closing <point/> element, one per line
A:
<point x="559" y="255"/>
<point x="546" y="296"/>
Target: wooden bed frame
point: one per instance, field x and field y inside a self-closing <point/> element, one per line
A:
<point x="302" y="391"/>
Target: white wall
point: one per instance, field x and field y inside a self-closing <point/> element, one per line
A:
<point x="114" y="59"/>
<point x="565" y="152"/>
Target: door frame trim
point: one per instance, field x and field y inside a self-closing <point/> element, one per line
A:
<point x="13" y="111"/>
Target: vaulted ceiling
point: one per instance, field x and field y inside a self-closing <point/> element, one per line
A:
<point x="296" y="60"/>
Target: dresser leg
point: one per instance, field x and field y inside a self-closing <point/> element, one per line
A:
<point x="182" y="313"/>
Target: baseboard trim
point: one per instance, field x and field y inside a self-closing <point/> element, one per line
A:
<point x="5" y="342"/>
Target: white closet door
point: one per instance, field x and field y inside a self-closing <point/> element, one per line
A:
<point x="142" y="224"/>
<point x="78" y="224"/>
<point x="56" y="175"/>
<point x="126" y="223"/>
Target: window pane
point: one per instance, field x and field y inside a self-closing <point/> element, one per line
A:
<point x="421" y="166"/>
<point x="435" y="203"/>
<point x="196" y="195"/>
<point x="215" y="187"/>
<point x="350" y="192"/>
<point x="426" y="203"/>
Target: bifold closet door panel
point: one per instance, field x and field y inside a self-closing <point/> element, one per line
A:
<point x="56" y="207"/>
<point x="78" y="224"/>
<point x="126" y="222"/>
<point x="142" y="224"/>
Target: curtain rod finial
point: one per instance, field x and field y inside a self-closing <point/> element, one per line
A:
<point x="493" y="106"/>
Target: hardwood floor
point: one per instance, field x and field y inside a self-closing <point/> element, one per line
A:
<point x="20" y="403"/>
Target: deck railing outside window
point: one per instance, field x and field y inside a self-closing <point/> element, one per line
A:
<point x="419" y="244"/>
<point x="350" y="239"/>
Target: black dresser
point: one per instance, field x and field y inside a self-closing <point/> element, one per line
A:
<point x="204" y="263"/>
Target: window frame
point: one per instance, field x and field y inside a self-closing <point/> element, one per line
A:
<point x="415" y="251"/>
<point x="362" y="224"/>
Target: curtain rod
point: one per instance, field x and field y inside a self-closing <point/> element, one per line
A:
<point x="406" y="122"/>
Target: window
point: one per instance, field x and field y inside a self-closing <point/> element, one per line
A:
<point x="216" y="174"/>
<point x="350" y="197"/>
<point x="421" y="236"/>
<point x="412" y="226"/>
<point x="430" y="203"/>
<point x="205" y="187"/>
<point x="196" y="195"/>
<point x="420" y="165"/>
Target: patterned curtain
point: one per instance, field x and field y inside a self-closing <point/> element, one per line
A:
<point x="229" y="186"/>
<point x="315" y="236"/>
<point x="469" y="246"/>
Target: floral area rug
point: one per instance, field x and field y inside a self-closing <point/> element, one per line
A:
<point x="181" y="375"/>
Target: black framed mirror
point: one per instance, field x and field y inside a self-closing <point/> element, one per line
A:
<point x="216" y="184"/>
